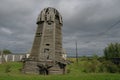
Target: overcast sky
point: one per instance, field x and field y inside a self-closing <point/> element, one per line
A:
<point x="87" y="21"/>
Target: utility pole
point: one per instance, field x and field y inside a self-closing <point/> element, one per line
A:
<point x="0" y="57"/>
<point x="76" y="52"/>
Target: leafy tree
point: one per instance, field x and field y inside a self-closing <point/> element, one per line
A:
<point x="6" y="51"/>
<point x="112" y="51"/>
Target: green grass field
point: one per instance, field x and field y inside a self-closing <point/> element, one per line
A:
<point x="75" y="74"/>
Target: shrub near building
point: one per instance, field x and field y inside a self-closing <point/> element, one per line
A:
<point x="98" y="65"/>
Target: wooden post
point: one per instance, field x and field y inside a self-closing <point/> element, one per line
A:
<point x="76" y="53"/>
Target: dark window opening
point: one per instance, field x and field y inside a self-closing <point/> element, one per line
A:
<point x="47" y="44"/>
<point x="57" y="17"/>
<point x="49" y="23"/>
<point x="46" y="50"/>
<point x="47" y="10"/>
<point x="38" y="34"/>
<point x="48" y="57"/>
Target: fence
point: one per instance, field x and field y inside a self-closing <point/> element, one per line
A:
<point x="12" y="57"/>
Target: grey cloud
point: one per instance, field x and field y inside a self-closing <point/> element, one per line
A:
<point x="84" y="21"/>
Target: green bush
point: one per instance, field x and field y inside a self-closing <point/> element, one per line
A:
<point x="108" y="66"/>
<point x="91" y="66"/>
<point x="96" y="65"/>
<point x="7" y="68"/>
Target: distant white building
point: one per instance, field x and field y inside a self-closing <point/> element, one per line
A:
<point x="12" y="57"/>
<point x="64" y="55"/>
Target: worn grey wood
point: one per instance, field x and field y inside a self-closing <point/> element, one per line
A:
<point x="47" y="45"/>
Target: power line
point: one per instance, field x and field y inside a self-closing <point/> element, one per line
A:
<point x="105" y="32"/>
<point x="111" y="27"/>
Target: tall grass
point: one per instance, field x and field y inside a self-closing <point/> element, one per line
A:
<point x="75" y="74"/>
